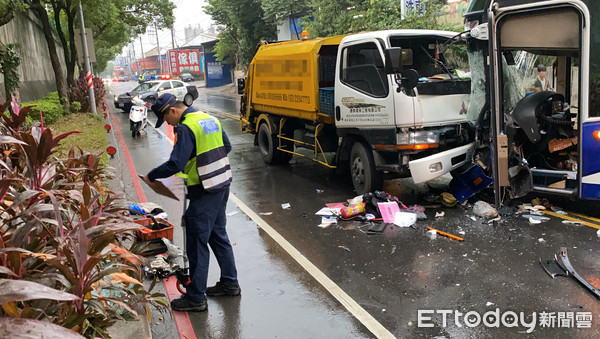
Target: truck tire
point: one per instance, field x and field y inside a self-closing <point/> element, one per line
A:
<point x="362" y="169"/>
<point x="188" y="100"/>
<point x="267" y="144"/>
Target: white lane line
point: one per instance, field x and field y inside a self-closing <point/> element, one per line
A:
<point x="352" y="306"/>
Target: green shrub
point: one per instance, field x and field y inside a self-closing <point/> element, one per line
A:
<point x="75" y="106"/>
<point x="50" y="106"/>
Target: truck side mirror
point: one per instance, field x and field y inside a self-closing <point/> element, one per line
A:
<point x="241" y="83"/>
<point x="393" y="60"/>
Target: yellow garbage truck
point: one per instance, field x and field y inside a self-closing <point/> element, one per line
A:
<point x="394" y="101"/>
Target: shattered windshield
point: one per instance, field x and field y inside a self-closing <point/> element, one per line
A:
<point x="477" y="74"/>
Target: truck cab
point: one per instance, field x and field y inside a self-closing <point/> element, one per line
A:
<point x="420" y="124"/>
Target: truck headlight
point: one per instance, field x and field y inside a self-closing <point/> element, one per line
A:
<point x="419" y="137"/>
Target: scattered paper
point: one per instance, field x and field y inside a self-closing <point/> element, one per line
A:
<point x="404" y="219"/>
<point x="265" y="213"/>
<point x="439" y="214"/>
<point x="489" y="303"/>
<point x="534" y="221"/>
<point x="569" y="222"/>
<point x="541" y="240"/>
<point x="327" y="221"/>
<point x="561" y="212"/>
<point x="286" y="206"/>
<point x="473" y="218"/>
<point x="388" y="211"/>
<point x="324" y="211"/>
<point x="356" y="200"/>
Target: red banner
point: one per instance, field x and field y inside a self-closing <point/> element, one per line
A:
<point x="185" y="60"/>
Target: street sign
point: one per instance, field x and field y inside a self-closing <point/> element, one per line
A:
<point x="90" y="45"/>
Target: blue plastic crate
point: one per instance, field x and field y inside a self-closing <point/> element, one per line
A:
<point x="326" y="102"/>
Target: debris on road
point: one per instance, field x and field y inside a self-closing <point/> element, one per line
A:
<point x="439" y="214"/>
<point x="265" y="213"/>
<point x="569" y="222"/>
<point x="432" y="234"/>
<point x="232" y="213"/>
<point x="451" y="236"/>
<point x="561" y="265"/>
<point x="345" y="248"/>
<point x="534" y="221"/>
<point x="327" y="221"/>
<point x="405" y="219"/>
<point x="484" y="210"/>
<point x="286" y="206"/>
<point x="320" y="191"/>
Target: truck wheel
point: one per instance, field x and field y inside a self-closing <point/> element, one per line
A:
<point x="188" y="100"/>
<point x="267" y="144"/>
<point x="362" y="168"/>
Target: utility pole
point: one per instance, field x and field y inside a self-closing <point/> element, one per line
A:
<point x="86" y="58"/>
<point x="158" y="47"/>
<point x="172" y="38"/>
<point x="143" y="57"/>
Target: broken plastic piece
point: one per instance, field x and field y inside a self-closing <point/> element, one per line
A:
<point x="439" y="214"/>
<point x="286" y="206"/>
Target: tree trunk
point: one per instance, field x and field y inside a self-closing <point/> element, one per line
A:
<point x="61" y="85"/>
<point x="73" y="60"/>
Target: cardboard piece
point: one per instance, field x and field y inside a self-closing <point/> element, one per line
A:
<point x="555" y="145"/>
<point x="160" y="188"/>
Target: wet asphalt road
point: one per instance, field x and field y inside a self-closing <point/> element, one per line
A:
<point x="391" y="275"/>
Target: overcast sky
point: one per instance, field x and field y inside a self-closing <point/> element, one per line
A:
<point x="186" y="13"/>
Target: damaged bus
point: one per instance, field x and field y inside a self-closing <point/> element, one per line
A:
<point x="536" y="91"/>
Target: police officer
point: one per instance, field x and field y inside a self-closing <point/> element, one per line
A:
<point x="200" y="152"/>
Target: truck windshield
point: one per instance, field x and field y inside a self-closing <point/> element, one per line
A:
<point x="425" y="56"/>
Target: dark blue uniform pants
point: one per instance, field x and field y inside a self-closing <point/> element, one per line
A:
<point x="205" y="225"/>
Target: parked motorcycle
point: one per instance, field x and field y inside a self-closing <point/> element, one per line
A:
<point x="138" y="114"/>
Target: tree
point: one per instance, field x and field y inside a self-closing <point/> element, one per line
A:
<point x="40" y="10"/>
<point x="277" y="10"/>
<point x="114" y="24"/>
<point x="244" y="28"/>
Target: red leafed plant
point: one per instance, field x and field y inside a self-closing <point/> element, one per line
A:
<point x="79" y="92"/>
<point x="62" y="239"/>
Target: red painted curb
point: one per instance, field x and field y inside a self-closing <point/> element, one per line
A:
<point x="182" y="319"/>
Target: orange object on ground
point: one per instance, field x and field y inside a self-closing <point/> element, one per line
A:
<point x="451" y="236"/>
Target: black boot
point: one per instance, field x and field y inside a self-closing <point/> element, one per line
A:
<point x="224" y="289"/>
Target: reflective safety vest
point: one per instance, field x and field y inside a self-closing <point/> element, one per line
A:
<point x="210" y="167"/>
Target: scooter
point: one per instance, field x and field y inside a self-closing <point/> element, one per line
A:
<point x="138" y="115"/>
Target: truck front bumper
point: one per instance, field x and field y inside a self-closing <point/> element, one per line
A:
<point x="436" y="165"/>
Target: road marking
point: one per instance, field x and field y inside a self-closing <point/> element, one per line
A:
<point x="566" y="217"/>
<point x="209" y="110"/>
<point x="352" y="306"/>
